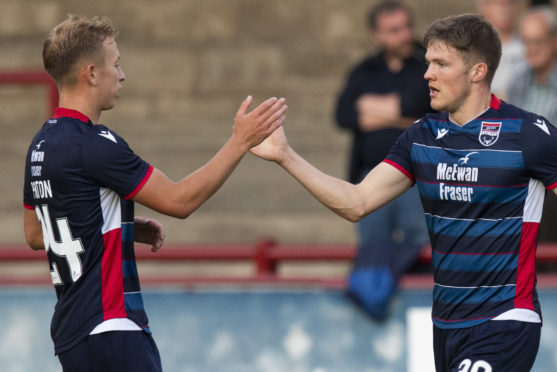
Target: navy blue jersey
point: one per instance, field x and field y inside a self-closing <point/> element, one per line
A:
<point x="79" y="178"/>
<point x="482" y="186"/>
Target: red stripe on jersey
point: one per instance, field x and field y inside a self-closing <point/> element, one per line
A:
<point x="141" y="184"/>
<point x="112" y="276"/>
<point x="27" y="206"/>
<point x="400" y="168"/>
<point x="526" y="270"/>
<point x="69" y="113"/>
<point x="495" y="102"/>
<point x="552" y="186"/>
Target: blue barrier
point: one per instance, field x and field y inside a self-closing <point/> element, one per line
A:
<point x="256" y="330"/>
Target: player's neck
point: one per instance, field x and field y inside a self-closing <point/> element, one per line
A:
<point x="72" y="99"/>
<point x="473" y="106"/>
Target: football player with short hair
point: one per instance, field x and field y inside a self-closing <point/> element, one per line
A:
<point x="482" y="167"/>
<point x="81" y="181"/>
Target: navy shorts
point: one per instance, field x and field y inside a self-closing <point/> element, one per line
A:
<point x="493" y="346"/>
<point x="115" y="351"/>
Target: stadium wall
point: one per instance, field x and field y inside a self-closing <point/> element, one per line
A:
<point x="259" y="331"/>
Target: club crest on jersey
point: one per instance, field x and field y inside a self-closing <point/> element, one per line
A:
<point x="489" y="134"/>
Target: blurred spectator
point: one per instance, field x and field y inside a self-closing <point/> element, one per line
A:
<point x="384" y="94"/>
<point x="534" y="88"/>
<point x="503" y="14"/>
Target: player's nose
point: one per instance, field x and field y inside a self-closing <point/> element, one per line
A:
<point x="428" y="73"/>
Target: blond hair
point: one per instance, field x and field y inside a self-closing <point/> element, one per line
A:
<point x="73" y="40"/>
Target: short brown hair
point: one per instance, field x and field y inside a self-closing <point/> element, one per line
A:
<point x="76" y="38"/>
<point x="386" y="6"/>
<point x="472" y="35"/>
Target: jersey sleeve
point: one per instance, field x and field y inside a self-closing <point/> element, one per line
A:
<point x="539" y="143"/>
<point x="400" y="154"/>
<point x="110" y="161"/>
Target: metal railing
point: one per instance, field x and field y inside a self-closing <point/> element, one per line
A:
<point x="265" y="257"/>
<point x="33" y="77"/>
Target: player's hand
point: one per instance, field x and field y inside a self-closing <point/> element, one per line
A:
<point x="251" y="128"/>
<point x="149" y="231"/>
<point x="274" y="148"/>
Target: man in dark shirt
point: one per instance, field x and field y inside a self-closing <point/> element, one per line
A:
<point x="384" y="94"/>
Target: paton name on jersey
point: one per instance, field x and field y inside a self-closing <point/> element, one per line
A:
<point x="41" y="189"/>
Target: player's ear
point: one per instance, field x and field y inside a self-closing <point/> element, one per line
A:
<point x="89" y="73"/>
<point x="478" y="72"/>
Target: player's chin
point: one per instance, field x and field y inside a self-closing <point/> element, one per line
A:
<point x="111" y="103"/>
<point x="436" y="104"/>
<point x="108" y="106"/>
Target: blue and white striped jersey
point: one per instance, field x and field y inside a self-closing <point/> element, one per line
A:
<point x="482" y="186"/>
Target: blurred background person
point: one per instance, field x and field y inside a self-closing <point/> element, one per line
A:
<point x="503" y="15"/>
<point x="535" y="86"/>
<point x="384" y="94"/>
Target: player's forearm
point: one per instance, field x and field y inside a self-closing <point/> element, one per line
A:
<point x="199" y="186"/>
<point x="36" y="243"/>
<point x="180" y="199"/>
<point x="340" y="196"/>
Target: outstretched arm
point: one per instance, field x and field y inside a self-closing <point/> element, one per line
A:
<point x="180" y="199"/>
<point x="352" y="202"/>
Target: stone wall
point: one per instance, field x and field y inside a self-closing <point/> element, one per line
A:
<point x="189" y="64"/>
